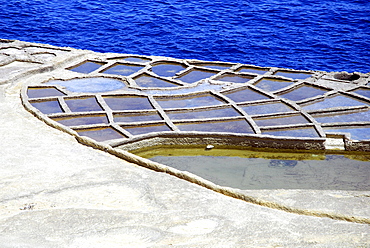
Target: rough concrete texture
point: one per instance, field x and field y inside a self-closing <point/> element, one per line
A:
<point x="56" y="192"/>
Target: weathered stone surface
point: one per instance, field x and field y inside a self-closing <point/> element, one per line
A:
<point x="56" y="192"/>
<point x="59" y="193"/>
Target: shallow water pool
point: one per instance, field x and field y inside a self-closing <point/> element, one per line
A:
<point x="247" y="169"/>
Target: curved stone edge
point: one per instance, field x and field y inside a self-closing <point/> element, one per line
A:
<point x="185" y="175"/>
<point x="77" y="55"/>
<point x="223" y="139"/>
<point x="259" y="140"/>
<point x="44" y="67"/>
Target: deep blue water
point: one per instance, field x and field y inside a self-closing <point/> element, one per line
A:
<point x="319" y="35"/>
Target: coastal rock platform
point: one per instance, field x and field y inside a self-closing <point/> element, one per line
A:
<point x="65" y="184"/>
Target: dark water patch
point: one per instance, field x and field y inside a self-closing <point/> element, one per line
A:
<point x="37" y="92"/>
<point x="82" y="120"/>
<point x="87" y="67"/>
<point x="347" y="76"/>
<point x="48" y="107"/>
<point x="83" y="104"/>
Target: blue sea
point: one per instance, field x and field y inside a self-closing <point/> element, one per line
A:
<point x="317" y="35"/>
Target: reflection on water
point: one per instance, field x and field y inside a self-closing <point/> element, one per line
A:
<point x="216" y="66"/>
<point x="188" y="101"/>
<point x="136" y="59"/>
<point x="363" y="92"/>
<point x="303" y="92"/>
<point x="267" y="108"/>
<point x="137" y="117"/>
<point x="245" y="169"/>
<point x="145" y="129"/>
<point x="93" y="85"/>
<point x="230" y="126"/>
<point x="128" y="102"/>
<point x="283" y="163"/>
<point x="292" y="132"/>
<point x="253" y="70"/>
<point x="48" y="107"/>
<point x="168" y="69"/>
<point x="82" y="120"/>
<point x="202" y="114"/>
<point x="355" y="132"/>
<point x="201" y="87"/>
<point x="334" y="102"/>
<point x="235" y="78"/>
<point x="149" y="81"/>
<point x="281" y="120"/>
<point x="101" y="134"/>
<point x="294" y="75"/>
<point x="87" y="67"/>
<point x="273" y="84"/>
<point x="33" y="92"/>
<point x="83" y="104"/>
<point x="123" y="69"/>
<point x="360" y="116"/>
<point x="245" y="95"/>
<point x="195" y="75"/>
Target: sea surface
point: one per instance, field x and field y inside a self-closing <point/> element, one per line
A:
<point x="315" y="35"/>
